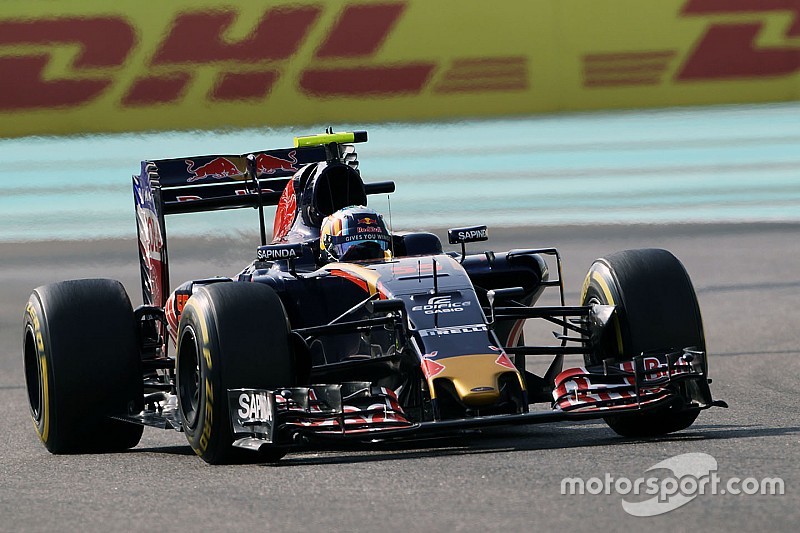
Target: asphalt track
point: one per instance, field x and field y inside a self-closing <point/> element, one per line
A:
<point x="748" y="282"/>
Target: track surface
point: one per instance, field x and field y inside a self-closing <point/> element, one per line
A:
<point x="748" y="282"/>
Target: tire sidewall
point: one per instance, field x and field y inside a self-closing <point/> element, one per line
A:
<point x="240" y="337"/>
<point x="207" y="431"/>
<point x="81" y="335"/>
<point x="39" y="369"/>
<point x="600" y="286"/>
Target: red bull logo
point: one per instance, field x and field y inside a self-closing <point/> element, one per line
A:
<point x="269" y="164"/>
<point x="217" y="168"/>
<point x="368" y="225"/>
<point x="430" y="367"/>
<point x="503" y="359"/>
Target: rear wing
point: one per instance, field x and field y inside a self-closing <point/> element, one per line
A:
<point x="212" y="182"/>
<point x="216" y="182"/>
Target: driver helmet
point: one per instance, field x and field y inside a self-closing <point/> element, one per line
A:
<point x="355" y="233"/>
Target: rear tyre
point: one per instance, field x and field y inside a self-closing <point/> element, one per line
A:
<point x="656" y="309"/>
<point x="82" y="366"/>
<point x="231" y="335"/>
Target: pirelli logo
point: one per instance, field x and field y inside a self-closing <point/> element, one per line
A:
<point x="442" y="332"/>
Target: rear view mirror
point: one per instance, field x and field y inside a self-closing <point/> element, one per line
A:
<point x="385" y="306"/>
<point x="468" y="234"/>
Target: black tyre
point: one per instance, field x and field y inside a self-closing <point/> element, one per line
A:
<point x="231" y="335"/>
<point x="82" y="365"/>
<point x="656" y="310"/>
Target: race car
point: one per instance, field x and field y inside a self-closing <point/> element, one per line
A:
<point x="341" y="330"/>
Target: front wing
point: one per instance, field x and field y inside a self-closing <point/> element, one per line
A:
<point x="360" y="411"/>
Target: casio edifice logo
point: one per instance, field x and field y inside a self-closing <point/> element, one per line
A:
<point x="441" y="304"/>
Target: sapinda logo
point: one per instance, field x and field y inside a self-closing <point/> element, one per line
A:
<point x="441" y="304"/>
<point x="464" y="235"/>
<point x="254" y="406"/>
<point x="275" y="253"/>
<point x="470" y="235"/>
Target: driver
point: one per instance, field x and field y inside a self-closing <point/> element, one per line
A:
<point x="355" y="233"/>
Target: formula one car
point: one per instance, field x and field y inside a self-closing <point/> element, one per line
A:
<point x="339" y="330"/>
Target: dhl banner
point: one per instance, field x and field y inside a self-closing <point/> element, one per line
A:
<point x="97" y="66"/>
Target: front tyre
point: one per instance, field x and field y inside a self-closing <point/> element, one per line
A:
<point x="82" y="366"/>
<point x="656" y="309"/>
<point x="231" y="335"/>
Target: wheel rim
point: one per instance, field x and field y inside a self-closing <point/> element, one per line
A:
<point x="189" y="377"/>
<point x="608" y="346"/>
<point x="33" y="375"/>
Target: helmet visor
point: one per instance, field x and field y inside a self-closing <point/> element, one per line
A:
<point x="360" y="246"/>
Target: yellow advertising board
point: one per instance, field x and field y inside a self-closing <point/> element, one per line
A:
<point x="98" y="66"/>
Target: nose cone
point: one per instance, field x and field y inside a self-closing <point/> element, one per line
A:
<point x="474" y="377"/>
